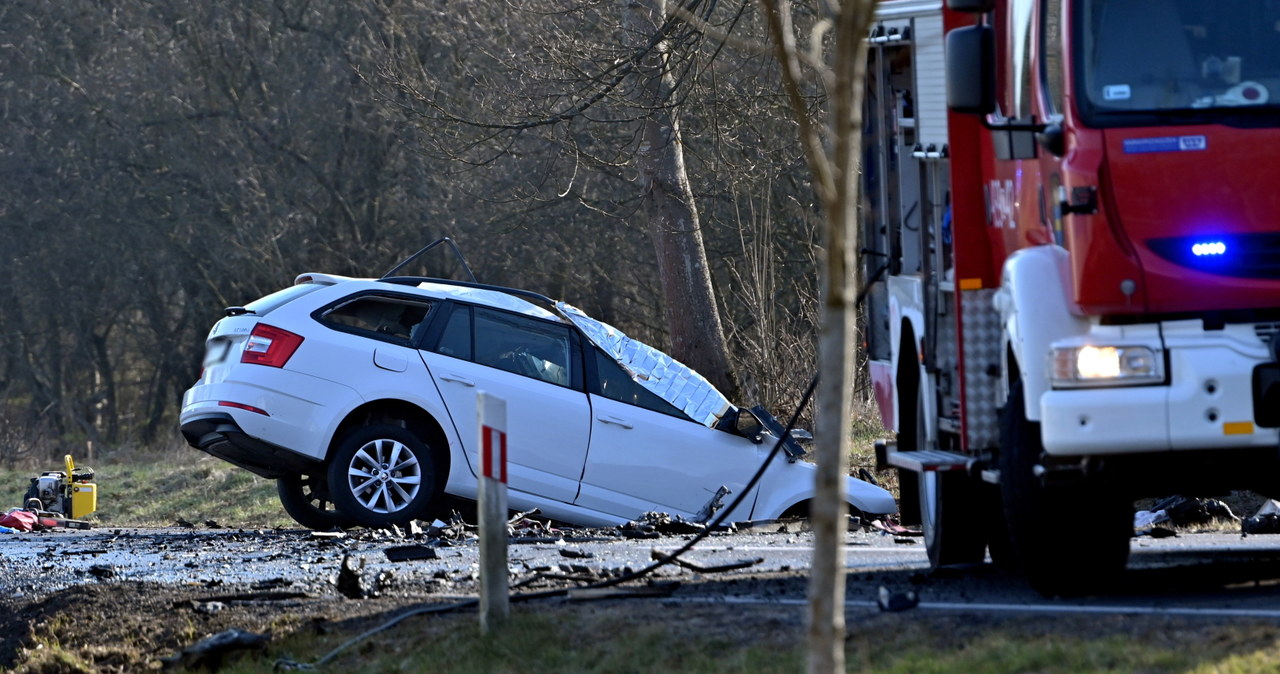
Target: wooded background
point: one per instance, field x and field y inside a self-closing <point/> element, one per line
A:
<point x="164" y="159"/>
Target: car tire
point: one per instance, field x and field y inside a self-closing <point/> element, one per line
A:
<point x="1068" y="539"/>
<point x="382" y="475"/>
<point x="306" y="499"/>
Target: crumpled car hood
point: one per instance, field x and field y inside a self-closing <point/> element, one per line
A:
<point x="657" y="372"/>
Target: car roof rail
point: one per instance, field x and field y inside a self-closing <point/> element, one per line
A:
<point x="528" y="295"/>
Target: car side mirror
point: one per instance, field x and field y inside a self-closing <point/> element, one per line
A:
<point x="748" y="426"/>
<point x="790" y="445"/>
<point x="971" y="86"/>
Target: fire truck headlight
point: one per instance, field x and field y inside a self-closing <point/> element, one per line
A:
<point x="1079" y="366"/>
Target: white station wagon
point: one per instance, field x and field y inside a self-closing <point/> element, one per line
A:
<point x="359" y="397"/>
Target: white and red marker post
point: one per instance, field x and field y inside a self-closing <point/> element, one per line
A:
<point x="495" y="603"/>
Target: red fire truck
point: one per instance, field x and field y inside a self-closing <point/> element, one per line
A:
<point x="1071" y="248"/>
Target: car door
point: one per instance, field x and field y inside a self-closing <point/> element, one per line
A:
<point x="647" y="455"/>
<point x="533" y="365"/>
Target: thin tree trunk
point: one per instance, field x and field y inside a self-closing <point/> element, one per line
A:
<point x="835" y="177"/>
<point x="693" y="317"/>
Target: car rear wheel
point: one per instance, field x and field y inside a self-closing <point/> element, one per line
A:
<point x="382" y="475"/>
<point x="306" y="498"/>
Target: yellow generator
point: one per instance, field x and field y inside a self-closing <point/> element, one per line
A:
<point x="70" y="493"/>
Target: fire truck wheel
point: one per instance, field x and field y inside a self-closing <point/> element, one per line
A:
<point x="948" y="505"/>
<point x="306" y="499"/>
<point x="992" y="514"/>
<point x="1069" y="539"/>
<point x="912" y="436"/>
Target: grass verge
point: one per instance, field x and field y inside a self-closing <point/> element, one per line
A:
<point x="650" y="637"/>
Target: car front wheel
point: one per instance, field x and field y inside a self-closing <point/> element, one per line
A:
<point x="382" y="475"/>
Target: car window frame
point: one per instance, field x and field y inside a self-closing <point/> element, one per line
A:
<point x="431" y="341"/>
<point x="594" y="387"/>
<point x="433" y="310"/>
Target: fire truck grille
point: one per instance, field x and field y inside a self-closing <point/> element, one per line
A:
<point x="1238" y="256"/>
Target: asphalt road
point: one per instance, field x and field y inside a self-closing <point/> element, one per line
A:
<point x="1219" y="575"/>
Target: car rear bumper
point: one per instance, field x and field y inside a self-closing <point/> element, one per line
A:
<point x="219" y="435"/>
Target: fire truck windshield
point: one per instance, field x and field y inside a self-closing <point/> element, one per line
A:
<point x="1157" y="55"/>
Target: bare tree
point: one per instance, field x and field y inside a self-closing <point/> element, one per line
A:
<point x="606" y="91"/>
<point x="835" y="57"/>
<point x="165" y="159"/>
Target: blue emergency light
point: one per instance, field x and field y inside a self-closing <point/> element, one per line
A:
<point x="1209" y="249"/>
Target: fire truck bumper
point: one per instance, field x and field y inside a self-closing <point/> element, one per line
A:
<point x="1206" y="402"/>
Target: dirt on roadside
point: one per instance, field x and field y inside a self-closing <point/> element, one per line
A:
<point x="129" y="627"/>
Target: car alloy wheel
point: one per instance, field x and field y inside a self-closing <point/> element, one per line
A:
<point x="382" y="475"/>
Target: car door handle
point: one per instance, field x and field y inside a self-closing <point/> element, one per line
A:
<point x="457" y="380"/>
<point x="615" y="421"/>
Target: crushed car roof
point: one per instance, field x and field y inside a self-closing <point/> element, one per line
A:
<point x="657" y="372"/>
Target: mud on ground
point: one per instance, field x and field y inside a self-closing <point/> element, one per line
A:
<point x="123" y="600"/>
<point x="128" y="600"/>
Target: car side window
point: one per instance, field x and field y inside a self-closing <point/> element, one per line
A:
<point x="455" y="339"/>
<point x="385" y="318"/>
<point x="615" y="383"/>
<point x="524" y="346"/>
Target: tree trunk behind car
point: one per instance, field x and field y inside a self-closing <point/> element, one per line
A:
<point x="693" y="318"/>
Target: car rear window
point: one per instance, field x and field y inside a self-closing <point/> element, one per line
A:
<point x="265" y="305"/>
<point x="392" y="319"/>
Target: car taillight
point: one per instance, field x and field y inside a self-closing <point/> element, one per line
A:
<point x="242" y="406"/>
<point x="269" y="345"/>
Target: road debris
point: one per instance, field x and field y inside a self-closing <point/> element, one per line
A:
<point x="709" y="509"/>
<point x="574" y="553"/>
<point x="1265" y="521"/>
<point x="664" y="523"/>
<point x="351" y="582"/>
<point x="888" y="526"/>
<point x="719" y="568"/>
<point x="893" y="602"/>
<point x="208" y="607"/>
<point x="102" y="571"/>
<point x="212" y="652"/>
<point x="1180" y="511"/>
<point x="406" y="553"/>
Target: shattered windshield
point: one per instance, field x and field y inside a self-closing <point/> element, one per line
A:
<point x="1149" y="55"/>
<point x="657" y="372"/>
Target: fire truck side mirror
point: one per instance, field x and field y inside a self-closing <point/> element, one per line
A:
<point x="970" y="55"/>
<point x="971" y="6"/>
